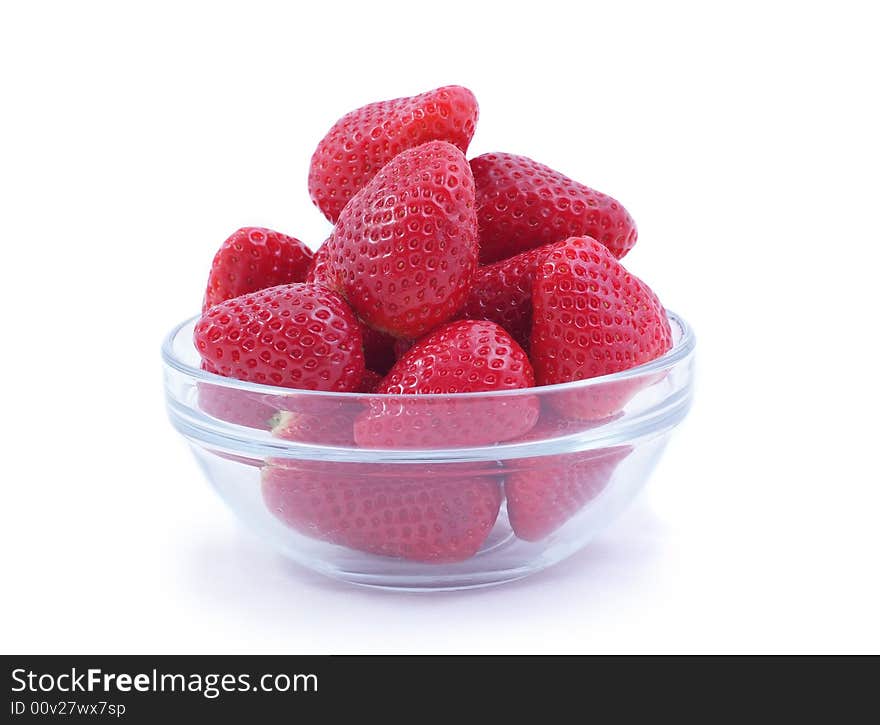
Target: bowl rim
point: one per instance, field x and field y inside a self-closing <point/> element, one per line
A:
<point x="678" y="352"/>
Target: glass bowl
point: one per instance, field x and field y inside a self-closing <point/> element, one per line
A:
<point x="429" y="492"/>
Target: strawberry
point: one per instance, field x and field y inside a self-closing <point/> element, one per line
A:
<point x="405" y="246"/>
<point x="502" y="292"/>
<point x="371" y="382"/>
<point x="324" y="422"/>
<point x="414" y="512"/>
<point x="544" y="493"/>
<point x="328" y="422"/>
<point x="252" y="259"/>
<point x="363" y="141"/>
<point x="593" y="318"/>
<point x="401" y="346"/>
<point x="379" y="351"/>
<point x="319" y="271"/>
<point x="294" y="336"/>
<point x="467" y="356"/>
<point x="241" y="407"/>
<point x="522" y="204"/>
<point x="551" y="425"/>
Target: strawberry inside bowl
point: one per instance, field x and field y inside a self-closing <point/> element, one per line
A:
<point x="429" y="491"/>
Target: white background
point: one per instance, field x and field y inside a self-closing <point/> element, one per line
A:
<point x="135" y="138"/>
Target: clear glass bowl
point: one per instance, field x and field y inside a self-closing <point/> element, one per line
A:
<point x="429" y="492"/>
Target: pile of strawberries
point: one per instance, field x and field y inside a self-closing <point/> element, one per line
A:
<point x="426" y="249"/>
<point x="441" y="276"/>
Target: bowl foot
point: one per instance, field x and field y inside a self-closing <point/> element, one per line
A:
<point x="498" y="562"/>
<point x="431" y="583"/>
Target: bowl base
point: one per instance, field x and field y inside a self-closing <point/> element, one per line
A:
<point x="430" y="583"/>
<point x="502" y="549"/>
<point x="414" y="577"/>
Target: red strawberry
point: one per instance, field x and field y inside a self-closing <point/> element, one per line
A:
<point x="319" y="271"/>
<point x="552" y="424"/>
<point x="363" y="141"/>
<point x="522" y="204"/>
<point x="405" y="246"/>
<point x="467" y="356"/>
<point x="592" y="318"/>
<point x="241" y="407"/>
<point x="253" y="259"/>
<point x="294" y="336"/>
<point x="502" y="292"/>
<point x="414" y="512"/>
<point x="379" y="348"/>
<point x="544" y="493"/>
<point x="324" y="422"/>
<point x="371" y="382"/>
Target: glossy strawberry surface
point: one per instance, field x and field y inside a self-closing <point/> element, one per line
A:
<point x="593" y="318"/>
<point x="379" y="348"/>
<point x="522" y="204"/>
<point x="467" y="356"/>
<point x="404" y="249"/>
<point x="252" y="259"/>
<point x="502" y="292"/>
<point x="363" y="141"/>
<point x="319" y="270"/>
<point x="294" y="336"/>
